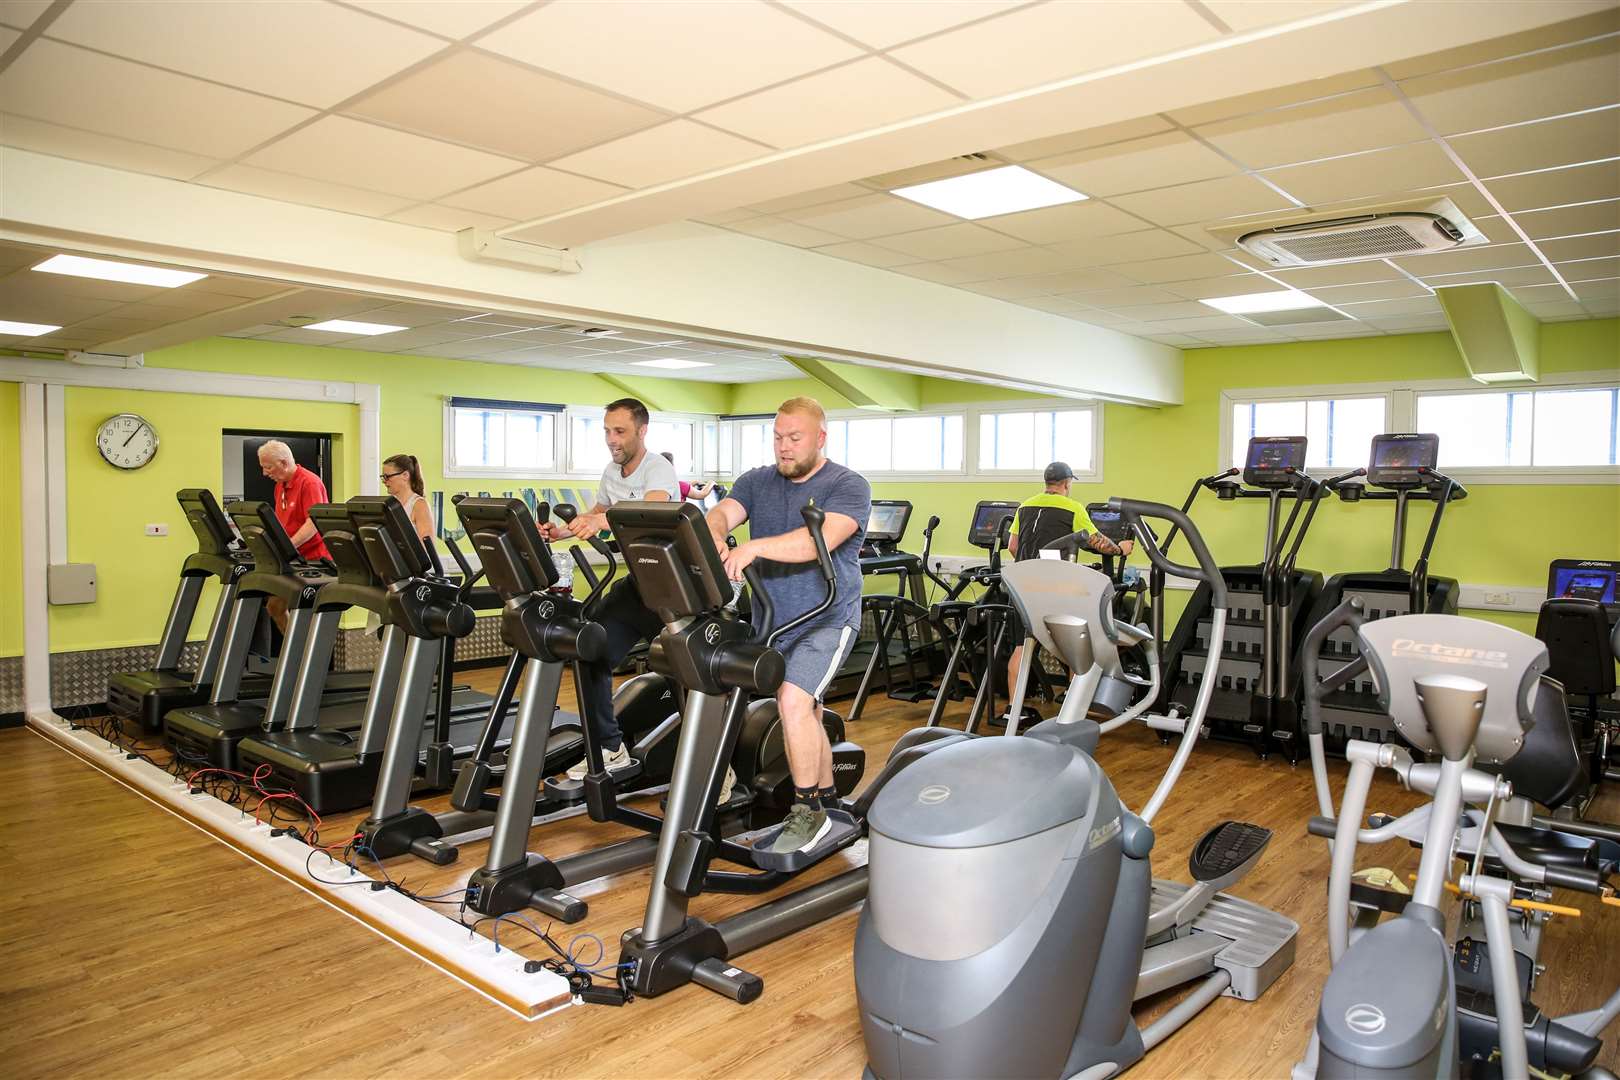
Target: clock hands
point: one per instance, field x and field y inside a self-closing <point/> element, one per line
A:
<point x="134" y="433"/>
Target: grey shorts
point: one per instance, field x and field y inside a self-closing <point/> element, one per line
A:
<point x="814" y="654"/>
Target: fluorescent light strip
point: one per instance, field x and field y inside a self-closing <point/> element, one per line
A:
<point x="25" y="329"/>
<point x="671" y="364"/>
<point x="990" y="193"/>
<point x="345" y="326"/>
<point x="1286" y="300"/>
<point x="130" y="273"/>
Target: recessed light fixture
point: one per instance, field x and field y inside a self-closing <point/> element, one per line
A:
<point x="1285" y="300"/>
<point x="671" y="363"/>
<point x="992" y="192"/>
<point x="26" y="329"/>
<point x="107" y="270"/>
<point x="345" y="326"/>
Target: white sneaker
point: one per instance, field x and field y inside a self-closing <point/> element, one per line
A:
<point x="613" y="760"/>
<point x="725" y="788"/>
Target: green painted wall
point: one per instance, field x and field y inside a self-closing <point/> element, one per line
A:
<point x="11" y="632"/>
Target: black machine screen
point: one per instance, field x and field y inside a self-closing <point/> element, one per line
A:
<point x="1402" y="459"/>
<point x="887" y="522"/>
<point x="1586" y="579"/>
<point x="987" y="516"/>
<point x="1273" y="460"/>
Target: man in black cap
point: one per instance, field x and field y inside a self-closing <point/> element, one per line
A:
<point x="1047" y="517"/>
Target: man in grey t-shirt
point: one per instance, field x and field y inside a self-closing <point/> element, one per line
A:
<point x="634" y="473"/>
<point x="769" y="498"/>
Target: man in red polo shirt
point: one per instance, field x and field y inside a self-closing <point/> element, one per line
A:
<point x="297" y="489"/>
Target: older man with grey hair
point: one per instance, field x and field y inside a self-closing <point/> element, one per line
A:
<point x="297" y="489"/>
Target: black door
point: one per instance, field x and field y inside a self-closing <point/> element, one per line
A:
<point x="313" y="452"/>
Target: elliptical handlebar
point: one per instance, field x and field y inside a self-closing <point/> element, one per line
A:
<point x="567" y="512"/>
<point x="1207" y="570"/>
<point x="1351" y="612"/>
<point x="814" y="518"/>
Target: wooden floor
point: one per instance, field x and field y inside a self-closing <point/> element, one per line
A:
<point x="136" y="946"/>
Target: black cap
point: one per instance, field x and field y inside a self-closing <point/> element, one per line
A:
<point x="1058" y="471"/>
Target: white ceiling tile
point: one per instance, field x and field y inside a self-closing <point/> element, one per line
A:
<point x="1409" y="323"/>
<point x="1015" y="263"/>
<point x="1467" y="260"/>
<point x="1590" y="269"/>
<point x="852" y="98"/>
<point x="1497" y="229"/>
<point x="870" y="216"/>
<point x="533" y="193"/>
<point x="1005" y="288"/>
<point x="1556" y="309"/>
<point x="485" y="101"/>
<point x="1055" y="305"/>
<point x="1526" y="88"/>
<point x="1203" y="202"/>
<point x="666" y="152"/>
<point x="1177" y="340"/>
<point x="1208" y="288"/>
<point x="302" y="52"/>
<point x="726" y="217"/>
<point x="950" y="242"/>
<point x="1329" y="331"/>
<point x="806" y="199"/>
<point x="1356" y="273"/>
<point x="1591" y="246"/>
<point x="1071" y="221"/>
<point x="1506" y="277"/>
<point x="869" y="254"/>
<point x="1276" y="98"/>
<point x="1571" y="220"/>
<point x="677" y="54"/>
<point x="936" y="272"/>
<point x="880" y="24"/>
<point x="346" y="151"/>
<point x="1114" y="300"/>
<point x="1339" y="295"/>
<point x="1047" y="42"/>
<point x="1208" y="321"/>
<point x="1054" y="145"/>
<point x="413" y="314"/>
<point x="298" y="189"/>
<point x="448" y="218"/>
<point x="1243" y="15"/>
<point x="1154" y="162"/>
<point x="64" y="85"/>
<point x="1074" y="281"/>
<point x="1127" y="247"/>
<point x="8" y="36"/>
<point x="1541" y="145"/>
<point x="1181" y="268"/>
<point x="1173" y="309"/>
<point x="1381" y="172"/>
<point x="58" y="141"/>
<point x="1557" y="187"/>
<point x="1601" y="289"/>
<point x="1383" y="309"/>
<point x="785" y="232"/>
<point x="447" y="18"/>
<point x="1542" y="37"/>
<point x="1363" y="120"/>
<point x="1249" y="335"/>
<point x="22" y="13"/>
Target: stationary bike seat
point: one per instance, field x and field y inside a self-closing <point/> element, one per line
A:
<point x="1225" y="848"/>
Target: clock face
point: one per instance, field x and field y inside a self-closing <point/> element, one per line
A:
<point x="126" y="441"/>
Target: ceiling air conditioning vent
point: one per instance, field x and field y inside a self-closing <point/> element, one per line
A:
<point x="1376" y="235"/>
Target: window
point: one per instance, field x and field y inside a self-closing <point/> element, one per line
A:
<point x="754" y="444"/>
<point x="1522" y="428"/>
<point x="1338" y="430"/>
<point x="501" y="437"/>
<point x="588" y="452"/>
<point x="897" y="444"/>
<point x="1029" y="441"/>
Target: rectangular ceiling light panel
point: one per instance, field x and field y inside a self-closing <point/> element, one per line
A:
<point x="990" y="193"/>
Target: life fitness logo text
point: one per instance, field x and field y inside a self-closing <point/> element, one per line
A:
<point x="711" y="633"/>
<point x="1449" y="654"/>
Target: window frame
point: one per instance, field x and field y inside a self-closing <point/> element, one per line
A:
<point x="454" y="470"/>
<point x="1091" y="475"/>
<point x="1401" y="415"/>
<point x="596" y="412"/>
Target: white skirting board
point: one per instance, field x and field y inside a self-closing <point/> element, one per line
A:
<point x="427" y="934"/>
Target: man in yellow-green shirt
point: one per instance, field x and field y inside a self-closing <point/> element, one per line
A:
<point x="1045" y="518"/>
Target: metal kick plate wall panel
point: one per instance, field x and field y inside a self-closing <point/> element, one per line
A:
<point x="11" y="684"/>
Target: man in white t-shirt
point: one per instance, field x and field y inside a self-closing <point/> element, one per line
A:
<point x="633" y="474"/>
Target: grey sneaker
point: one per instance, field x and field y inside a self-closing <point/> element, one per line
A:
<point x="612" y="760"/>
<point x="804" y="829"/>
<point x="726" y="787"/>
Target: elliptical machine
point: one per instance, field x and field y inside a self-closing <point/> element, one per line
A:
<point x="1067" y="925"/>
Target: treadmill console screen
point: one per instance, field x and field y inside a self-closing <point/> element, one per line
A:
<point x="1402" y="460"/>
<point x="1274" y="460"/>
<point x="887" y="523"/>
<point x="1110" y="523"/>
<point x="987" y="517"/>
<point x="1586" y="579"/>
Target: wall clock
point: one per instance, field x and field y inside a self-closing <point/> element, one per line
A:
<point x="127" y="441"/>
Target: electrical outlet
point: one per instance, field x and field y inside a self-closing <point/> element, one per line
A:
<point x="1499" y="599"/>
<point x="157" y="530"/>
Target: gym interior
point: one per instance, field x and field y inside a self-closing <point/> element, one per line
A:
<point x="1178" y="438"/>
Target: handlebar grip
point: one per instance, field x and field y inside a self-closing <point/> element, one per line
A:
<point x="933" y="523"/>
<point x="584" y="565"/>
<point x="566" y="512"/>
<point x="1325" y="827"/>
<point x="1579" y="878"/>
<point x="1208" y="570"/>
<point x="814" y="519"/>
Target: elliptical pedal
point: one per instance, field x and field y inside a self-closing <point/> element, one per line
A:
<point x="1227" y="849"/>
<point x="844" y="830"/>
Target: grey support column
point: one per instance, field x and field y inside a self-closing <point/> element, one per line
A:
<point x="233" y="659"/>
<point x="214" y="643"/>
<point x="384" y="691"/>
<point x="279" y="703"/>
<point x="696" y="757"/>
<point x="312" y="667"/>
<point x="525" y="762"/>
<point x="405" y="727"/>
<point x="178" y="623"/>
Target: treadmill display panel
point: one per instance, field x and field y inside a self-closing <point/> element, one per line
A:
<point x="987" y="517"/>
<point x="887" y="522"/>
<point x="1402" y="460"/>
<point x="1274" y="460"/>
<point x="1585" y="579"/>
<point x="1110" y="524"/>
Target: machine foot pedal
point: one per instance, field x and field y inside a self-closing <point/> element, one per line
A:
<point x="1227" y="849"/>
<point x="842" y="832"/>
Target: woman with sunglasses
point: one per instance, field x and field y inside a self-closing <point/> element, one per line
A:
<point x="402" y="478"/>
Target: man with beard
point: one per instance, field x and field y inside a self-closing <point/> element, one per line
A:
<point x="769" y="498"/>
<point x="633" y="474"/>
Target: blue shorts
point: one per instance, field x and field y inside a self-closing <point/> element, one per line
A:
<point x="814" y="653"/>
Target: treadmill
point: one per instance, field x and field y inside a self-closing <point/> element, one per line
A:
<point x="331" y="765"/>
<point x="211" y="732"/>
<point x="139" y="699"/>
